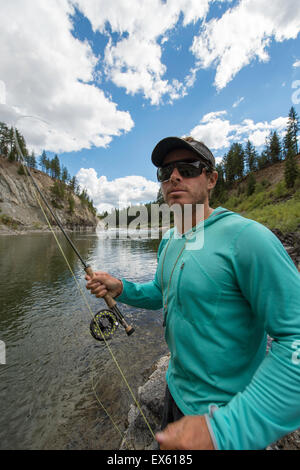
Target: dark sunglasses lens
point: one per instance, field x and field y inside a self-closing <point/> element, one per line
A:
<point x="164" y="174"/>
<point x="187" y="170"/>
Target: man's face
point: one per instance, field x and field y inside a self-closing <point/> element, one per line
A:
<point x="179" y="190"/>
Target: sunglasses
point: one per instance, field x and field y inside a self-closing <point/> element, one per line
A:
<point x="187" y="169"/>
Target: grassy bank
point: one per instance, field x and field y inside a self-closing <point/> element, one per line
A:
<point x="274" y="206"/>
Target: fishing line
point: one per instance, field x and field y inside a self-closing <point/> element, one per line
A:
<point x="82" y="294"/>
<point x="28" y="173"/>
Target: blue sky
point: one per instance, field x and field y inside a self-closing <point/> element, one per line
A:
<point x="107" y="80"/>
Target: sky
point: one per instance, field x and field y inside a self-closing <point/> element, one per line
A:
<point x="100" y="82"/>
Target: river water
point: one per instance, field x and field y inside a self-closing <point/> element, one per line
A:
<point x="55" y="371"/>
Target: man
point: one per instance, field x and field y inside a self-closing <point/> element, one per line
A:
<point x="220" y="301"/>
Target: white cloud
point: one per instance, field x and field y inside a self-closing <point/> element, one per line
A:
<point x="120" y="192"/>
<point x="243" y="34"/>
<point x="217" y="132"/>
<point x="237" y="102"/>
<point x="48" y="73"/>
<point x="2" y="92"/>
<point x="134" y="61"/>
<point x="213" y="130"/>
<point x="296" y="64"/>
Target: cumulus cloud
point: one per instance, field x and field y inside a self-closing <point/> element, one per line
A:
<point x="121" y="192"/>
<point x="134" y="61"/>
<point x="217" y="132"/>
<point x="296" y="64"/>
<point x="244" y="33"/>
<point x="213" y="130"/>
<point x="48" y="73"/>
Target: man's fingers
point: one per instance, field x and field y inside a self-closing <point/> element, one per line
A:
<point x="102" y="293"/>
<point x="167" y="438"/>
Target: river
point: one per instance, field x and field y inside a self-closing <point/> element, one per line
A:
<point x="55" y="369"/>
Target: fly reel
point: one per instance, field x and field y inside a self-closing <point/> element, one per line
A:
<point x="104" y="325"/>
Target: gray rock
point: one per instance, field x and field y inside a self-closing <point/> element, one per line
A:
<point x="150" y="398"/>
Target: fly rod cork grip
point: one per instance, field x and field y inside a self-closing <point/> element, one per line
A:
<point x="110" y="302"/>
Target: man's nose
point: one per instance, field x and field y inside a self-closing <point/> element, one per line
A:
<point x="175" y="176"/>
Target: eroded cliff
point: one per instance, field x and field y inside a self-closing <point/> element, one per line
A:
<point x="19" y="208"/>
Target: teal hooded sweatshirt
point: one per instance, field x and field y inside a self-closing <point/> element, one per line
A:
<point x="232" y="284"/>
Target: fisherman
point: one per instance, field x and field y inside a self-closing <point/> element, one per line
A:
<point x="220" y="302"/>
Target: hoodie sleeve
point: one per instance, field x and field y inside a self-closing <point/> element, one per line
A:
<point x="269" y="407"/>
<point x="147" y="295"/>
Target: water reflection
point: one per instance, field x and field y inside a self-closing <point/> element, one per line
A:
<point x="52" y="361"/>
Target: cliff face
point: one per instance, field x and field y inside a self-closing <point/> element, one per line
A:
<point x="19" y="209"/>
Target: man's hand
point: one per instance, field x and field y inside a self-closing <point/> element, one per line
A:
<point x="103" y="283"/>
<point x="189" y="433"/>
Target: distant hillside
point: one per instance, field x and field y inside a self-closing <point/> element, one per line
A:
<point x="20" y="211"/>
<point x="271" y="203"/>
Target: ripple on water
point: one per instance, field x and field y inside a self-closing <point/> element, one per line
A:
<point x="55" y="370"/>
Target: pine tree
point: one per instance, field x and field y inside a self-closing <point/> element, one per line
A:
<point x="4" y="137"/>
<point x="275" y="148"/>
<point x="251" y="184"/>
<point x="64" y="174"/>
<point x="47" y="165"/>
<point x="263" y="160"/>
<point x="218" y="194"/>
<point x="21" y="142"/>
<point x="234" y="162"/>
<point x="159" y="197"/>
<point x="250" y="156"/>
<point x="291" y="149"/>
<point x="290" y="139"/>
<point x="55" y="168"/>
<point x="73" y="184"/>
<point x="291" y="168"/>
<point x="228" y="167"/>
<point x="42" y="161"/>
<point x="32" y="160"/>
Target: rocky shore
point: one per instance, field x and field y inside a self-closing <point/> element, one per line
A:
<point x="150" y="398"/>
<point x="151" y="394"/>
<point x="291" y="242"/>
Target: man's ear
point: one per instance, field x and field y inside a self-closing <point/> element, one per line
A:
<point x="213" y="178"/>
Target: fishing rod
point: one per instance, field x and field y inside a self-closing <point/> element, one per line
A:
<point x="105" y="322"/>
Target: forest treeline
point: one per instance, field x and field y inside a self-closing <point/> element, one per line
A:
<point x="243" y="161"/>
<point x="63" y="184"/>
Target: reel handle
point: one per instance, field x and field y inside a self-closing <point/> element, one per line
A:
<point x="111" y="303"/>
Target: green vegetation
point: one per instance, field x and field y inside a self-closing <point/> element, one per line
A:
<point x="21" y="170"/>
<point x="275" y="207"/>
<point x="9" y="221"/>
<point x="71" y="202"/>
<point x="238" y="186"/>
<point x="278" y="207"/>
<point x="284" y="216"/>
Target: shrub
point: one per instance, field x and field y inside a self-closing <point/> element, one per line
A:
<point x="58" y="189"/>
<point x="259" y="188"/>
<point x="280" y="189"/>
<point x="71" y="202"/>
<point x="251" y="184"/>
<point x="21" y="170"/>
